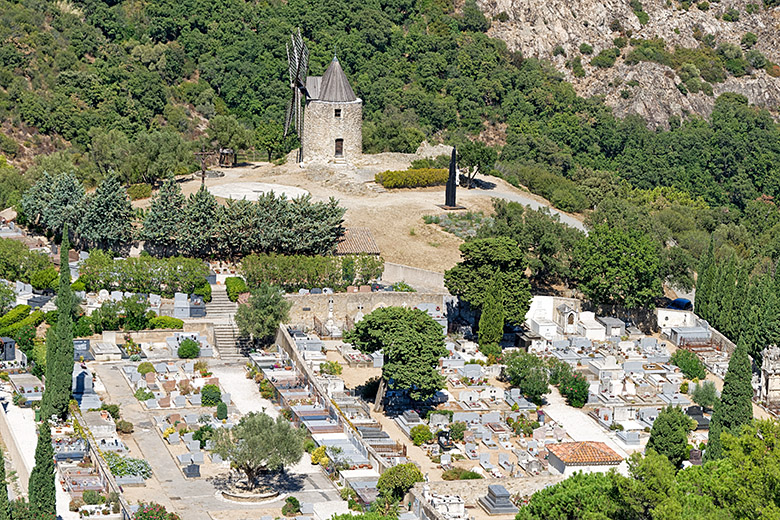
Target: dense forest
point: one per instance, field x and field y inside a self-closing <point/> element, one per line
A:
<point x="135" y="86"/>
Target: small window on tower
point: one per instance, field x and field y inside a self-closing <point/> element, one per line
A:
<point x="338" y="112"/>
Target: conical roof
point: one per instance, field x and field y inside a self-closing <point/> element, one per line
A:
<point x="335" y="85"/>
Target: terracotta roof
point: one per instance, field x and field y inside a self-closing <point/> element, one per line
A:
<point x="356" y="241"/>
<point x="334" y="85"/>
<point x="585" y="453"/>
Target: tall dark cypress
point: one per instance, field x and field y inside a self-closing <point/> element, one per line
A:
<point x="42" y="490"/>
<point x="704" y="283"/>
<point x="735" y="407"/>
<point x="59" y="344"/>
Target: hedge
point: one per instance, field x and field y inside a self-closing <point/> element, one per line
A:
<point x="203" y="290"/>
<point x="413" y="178"/>
<point x="34" y="319"/>
<point x="306" y="272"/>
<point x="17" y="313"/>
<point x="165" y="322"/>
<point x="235" y="286"/>
<point x="139" y="191"/>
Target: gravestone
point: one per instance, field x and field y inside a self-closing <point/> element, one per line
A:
<point x="193" y="446"/>
<point x="197" y="457"/>
<point x="179" y="401"/>
<point x="173" y="438"/>
<point x="497" y="501"/>
<point x="187" y="437"/>
<point x="194" y="399"/>
<point x="184" y="458"/>
<point x="116" y="296"/>
<point x="215" y="458"/>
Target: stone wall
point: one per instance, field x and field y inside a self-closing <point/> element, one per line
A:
<point x="306" y="306"/>
<point x="321" y="128"/>
<point x="204" y="328"/>
<point x="418" y="278"/>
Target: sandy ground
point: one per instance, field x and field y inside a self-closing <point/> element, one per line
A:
<point x="394" y="217"/>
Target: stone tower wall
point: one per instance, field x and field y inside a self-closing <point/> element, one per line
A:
<point x="321" y="128"/>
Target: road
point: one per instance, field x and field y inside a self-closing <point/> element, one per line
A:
<point x="529" y="201"/>
<point x="191" y="498"/>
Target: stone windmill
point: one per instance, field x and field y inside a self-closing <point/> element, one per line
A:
<point x="330" y="126"/>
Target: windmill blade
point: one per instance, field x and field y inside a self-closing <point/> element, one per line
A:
<point x="303" y="70"/>
<point x="291" y="67"/>
<point x="289" y="116"/>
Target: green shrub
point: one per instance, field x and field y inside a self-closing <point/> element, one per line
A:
<point x="145" y="368"/>
<point x="649" y="50"/>
<point x="558" y="51"/>
<point x="606" y="58"/>
<point x="689" y="363"/>
<point x="92" y="498"/>
<point x="112" y="409"/>
<point x="18" y="313"/>
<point x="78" y="285"/>
<point x="331" y="368"/>
<point x="165" y="322"/>
<point x="412" y="178"/>
<point x="203" y="434"/>
<point x="420" y="434"/>
<point x="235" y="286"/>
<point x="189" y="349"/>
<point x="139" y="191"/>
<point x="703" y="6"/>
<point x="293" y="272"/>
<point x="51" y="317"/>
<point x="34" y="319"/>
<point x="577" y="68"/>
<point x="639" y="11"/>
<point x="291" y="506"/>
<point x="620" y="42"/>
<point x="749" y="40"/>
<point x="549" y="185"/>
<point x="222" y="411"/>
<point x="142" y="394"/>
<point x="45" y="278"/>
<point x="470" y="475"/>
<point x="211" y="395"/>
<point x="123" y="426"/>
<point x="586" y="48"/>
<point x="203" y="290"/>
<point x="731" y="15"/>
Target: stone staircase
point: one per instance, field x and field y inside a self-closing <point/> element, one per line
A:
<point x="221" y="311"/>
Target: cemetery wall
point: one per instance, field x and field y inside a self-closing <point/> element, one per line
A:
<point x="13" y="450"/>
<point x="306" y="306"/>
<point x="204" y="328"/>
<point x="414" y="276"/>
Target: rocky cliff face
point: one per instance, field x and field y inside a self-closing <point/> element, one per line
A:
<point x="537" y="27"/>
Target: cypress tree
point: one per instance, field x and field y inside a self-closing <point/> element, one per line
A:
<point x="5" y="505"/>
<point x="162" y="223"/>
<point x="59" y="344"/>
<point x="735" y="407"/>
<point x="704" y="283"/>
<point x="42" y="490"/>
<point x="491" y="321"/>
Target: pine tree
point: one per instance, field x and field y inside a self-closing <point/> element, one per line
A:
<point x="5" y="505"/>
<point x="59" y="344"/>
<point x="491" y="321"/>
<point x="669" y="435"/>
<point x="735" y="407"/>
<point x="199" y="223"/>
<point x="62" y="208"/>
<point x="42" y="490"/>
<point x="107" y="219"/>
<point x="162" y="223"/>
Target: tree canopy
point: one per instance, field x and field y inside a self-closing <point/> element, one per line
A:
<point x="669" y="434"/>
<point x="487" y="259"/>
<point x="261" y="315"/>
<point x="412" y="343"/>
<point x="259" y="443"/>
<point x="528" y="373"/>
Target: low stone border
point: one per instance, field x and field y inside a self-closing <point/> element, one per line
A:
<point x="249" y="497"/>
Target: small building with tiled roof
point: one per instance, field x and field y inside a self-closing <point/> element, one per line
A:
<point x="587" y="456"/>
<point x="357" y="241"/>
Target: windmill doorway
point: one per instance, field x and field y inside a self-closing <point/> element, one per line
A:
<point x="339" y="147"/>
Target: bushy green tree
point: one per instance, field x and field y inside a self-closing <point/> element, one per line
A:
<point x="162" y="224"/>
<point x="528" y="373"/>
<point x="259" y="443"/>
<point x="396" y="481"/>
<point x="485" y="260"/>
<point x="412" y="343"/>
<point x="618" y="267"/>
<point x="669" y="435"/>
<point x="705" y="394"/>
<point x="43" y="494"/>
<point x="262" y="314"/>
<point x="420" y="434"/>
<point x="199" y="224"/>
<point x="106" y="219"/>
<point x="689" y="363"/>
<point x="226" y="132"/>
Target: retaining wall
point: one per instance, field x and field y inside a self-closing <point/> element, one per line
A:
<point x="420" y="279"/>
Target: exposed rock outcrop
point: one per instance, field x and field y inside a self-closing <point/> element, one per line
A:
<point x="537" y="27"/>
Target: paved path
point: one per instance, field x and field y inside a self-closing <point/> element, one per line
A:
<point x="528" y="200"/>
<point x="193" y="498"/>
